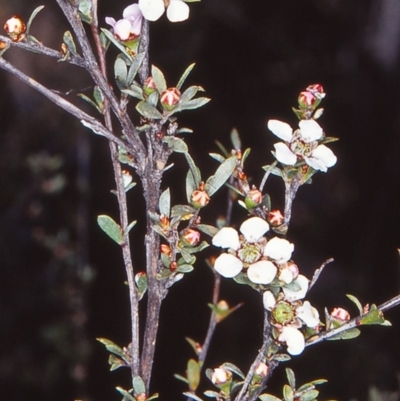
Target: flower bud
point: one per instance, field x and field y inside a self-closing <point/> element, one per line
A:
<point x="141" y="397"/>
<point x="191" y="237"/>
<point x="3" y="45"/>
<point x="15" y="28"/>
<point x="253" y="198"/>
<point x="317" y="90"/>
<point x="149" y="86"/>
<point x="261" y="370"/>
<point x="340" y="314"/>
<point x="164" y="221"/>
<point x="275" y="218"/>
<point x="170" y="98"/>
<point x="126" y="178"/>
<point x="166" y="250"/>
<point x="173" y="266"/>
<point x="200" y="197"/>
<point x="221" y="376"/>
<point x="306" y="100"/>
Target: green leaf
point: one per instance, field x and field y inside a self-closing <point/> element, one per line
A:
<point x="233" y="368"/>
<point x="134" y="68"/>
<point x="120" y="72"/>
<point x="190" y="93"/>
<point x="268" y="397"/>
<point x="288" y="394"/>
<point x="207" y="229"/>
<point x="90" y="101"/>
<point x="152" y="99"/>
<point x="128" y="397"/>
<point x="192" y="396"/>
<point x="356" y="302"/>
<point x="153" y="397"/>
<point x="245" y="155"/>
<point x="111" y="346"/>
<point x="212" y="394"/>
<point x="222" y="174"/>
<point x="159" y="79"/>
<point x="115" y="363"/>
<point x="187" y="258"/>
<point x="138" y="385"/>
<point x="148" y="111"/>
<point x="35" y="12"/>
<point x="194" y="104"/>
<point x="133" y="223"/>
<point x="185" y="211"/>
<point x="141" y="284"/>
<point x="182" y="79"/>
<point x="309" y="395"/>
<point x="98" y="97"/>
<point x="346" y="335"/>
<point x="185" y="268"/>
<point x="164" y="203"/>
<point x="193" y="344"/>
<point x="216" y="156"/>
<point x="181" y="378"/>
<point x="235" y="139"/>
<point x="69" y="41"/>
<point x="176" y="144"/>
<point x="374" y="316"/>
<point x="85" y="11"/>
<point x="291" y="377"/>
<point x="112" y="39"/>
<point x="111" y="228"/>
<point x="135" y="91"/>
<point x="193" y="374"/>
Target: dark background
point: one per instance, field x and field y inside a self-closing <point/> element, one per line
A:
<point x="61" y="279"/>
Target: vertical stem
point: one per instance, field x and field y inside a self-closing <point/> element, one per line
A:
<point x="291" y="188"/>
<point x="123" y="212"/>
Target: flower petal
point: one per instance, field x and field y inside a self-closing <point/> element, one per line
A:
<point x="294" y="340"/>
<point x="279" y="249"/>
<point x="254" y="228"/>
<point x="111" y="21"/>
<point x="122" y="29"/>
<point x="281" y="130"/>
<point x="308" y="314"/>
<point x="228" y="265"/>
<point x="291" y="295"/>
<point x="177" y="11"/>
<point x="132" y="12"/>
<point x="262" y="272"/>
<point x="227" y="237"/>
<point x="321" y="158"/>
<point x="310" y="130"/>
<point x="269" y="300"/>
<point x="152" y="10"/>
<point x="284" y="155"/>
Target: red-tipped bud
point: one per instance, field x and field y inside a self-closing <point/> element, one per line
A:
<point x="173" y="266"/>
<point x="170" y="98"/>
<point x="191" y="237"/>
<point x="317" y="90"/>
<point x="15" y="28"/>
<point x="275" y="218"/>
<point x="141" y="397"/>
<point x="166" y="250"/>
<point x="221" y="376"/>
<point x="306" y="100"/>
<point x="149" y="86"/>
<point x="340" y="314"/>
<point x="253" y="198"/>
<point x="164" y="221"/>
<point x="200" y="197"/>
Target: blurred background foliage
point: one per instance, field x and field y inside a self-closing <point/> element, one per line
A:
<point x="62" y="280"/>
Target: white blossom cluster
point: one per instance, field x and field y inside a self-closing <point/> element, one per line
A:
<point x="268" y="264"/>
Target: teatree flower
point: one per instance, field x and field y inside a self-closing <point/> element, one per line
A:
<point x="292" y="295"/>
<point x="302" y="144"/>
<point x="279" y="249"/>
<point x="246" y="252"/>
<point x="294" y="340"/>
<point x="152" y="10"/>
<point x="129" y="27"/>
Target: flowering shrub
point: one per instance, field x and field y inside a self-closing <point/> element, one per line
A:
<point x="257" y="254"/>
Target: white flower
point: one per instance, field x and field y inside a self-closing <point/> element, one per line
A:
<point x="152" y="10"/>
<point x="269" y="300"/>
<point x="130" y="25"/>
<point x="291" y="295"/>
<point x="294" y="340"/>
<point x="229" y="265"/>
<point x="262" y="272"/>
<point x="308" y="314"/>
<point x="279" y="249"/>
<point x="303" y="144"/>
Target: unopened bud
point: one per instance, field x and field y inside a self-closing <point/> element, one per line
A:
<point x="340" y="314"/>
<point x="170" y="98"/>
<point x="15" y="28"/>
<point x="191" y="237"/>
<point x="149" y="86"/>
<point x="200" y="197"/>
<point x="141" y="397"/>
<point x="261" y="369"/>
<point x="275" y="218"/>
<point x="164" y="221"/>
<point x="126" y="178"/>
<point x="306" y="100"/>
<point x="173" y="266"/>
<point x="317" y="90"/>
<point x="253" y="198"/>
<point x="220" y="376"/>
<point x="166" y="250"/>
